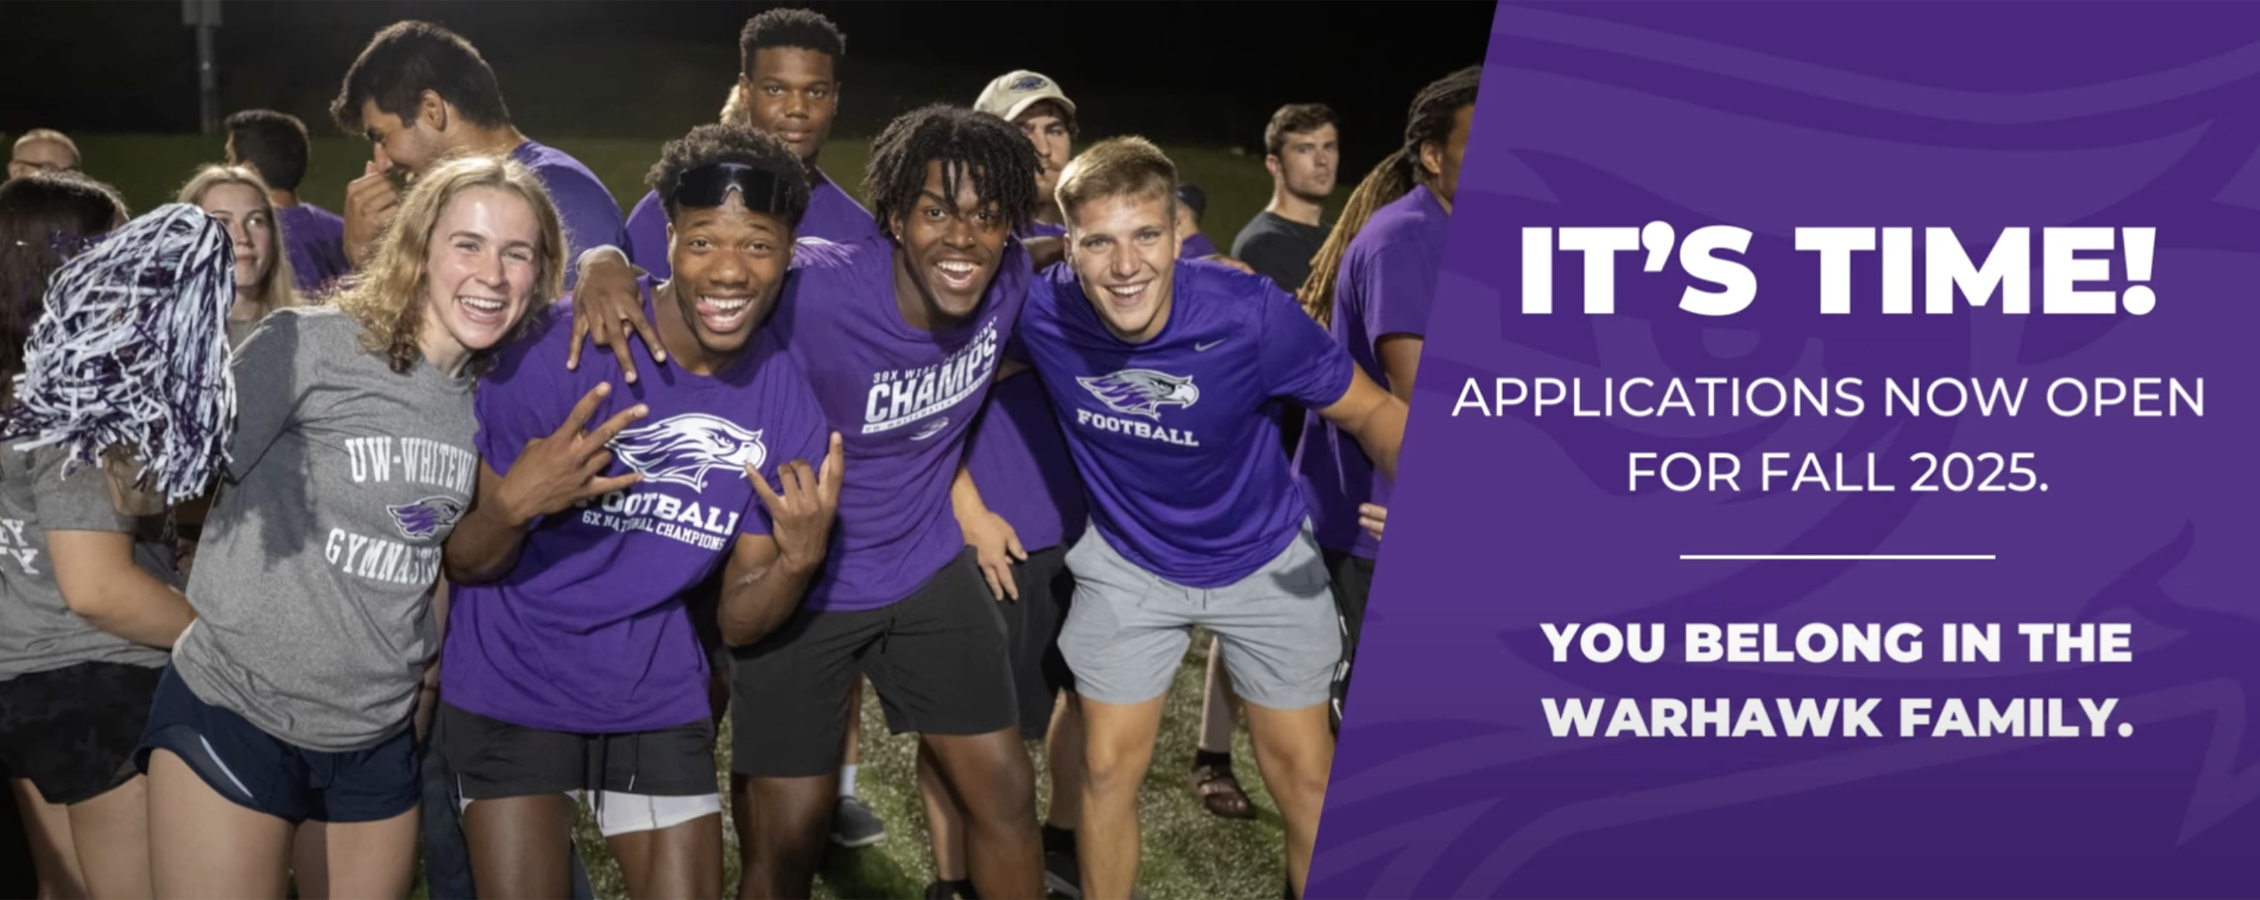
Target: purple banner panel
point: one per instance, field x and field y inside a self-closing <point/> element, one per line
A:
<point x="1832" y="470"/>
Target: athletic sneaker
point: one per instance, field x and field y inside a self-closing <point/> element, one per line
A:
<point x="855" y="825"/>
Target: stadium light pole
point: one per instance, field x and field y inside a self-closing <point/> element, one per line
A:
<point x="204" y="15"/>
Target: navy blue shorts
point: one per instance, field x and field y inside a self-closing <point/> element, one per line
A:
<point x="263" y="773"/>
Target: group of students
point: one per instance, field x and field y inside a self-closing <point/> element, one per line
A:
<point x="995" y="445"/>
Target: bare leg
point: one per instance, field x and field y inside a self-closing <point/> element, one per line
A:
<point x="943" y="820"/>
<point x="791" y="821"/>
<point x="682" y="860"/>
<point x="518" y="846"/>
<point x="1118" y="748"/>
<point x="1295" y="748"/>
<point x="111" y="833"/>
<point x="202" y="844"/>
<point x="995" y="784"/>
<point x="53" y="853"/>
<point x="353" y="860"/>
<point x="1063" y="748"/>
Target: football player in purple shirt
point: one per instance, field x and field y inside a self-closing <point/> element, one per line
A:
<point x="1161" y="372"/>
<point x="569" y="639"/>
<point x="422" y="94"/>
<point x="900" y="336"/>
<point x="1372" y="283"/>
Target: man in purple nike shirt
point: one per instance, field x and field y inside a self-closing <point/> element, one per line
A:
<point x="421" y="94"/>
<point x="568" y="637"/>
<point x="900" y="337"/>
<point x="275" y="145"/>
<point x="787" y="60"/>
<point x="1161" y="371"/>
<point x="1373" y="289"/>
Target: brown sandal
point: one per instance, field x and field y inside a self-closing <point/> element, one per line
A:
<point x="1221" y="793"/>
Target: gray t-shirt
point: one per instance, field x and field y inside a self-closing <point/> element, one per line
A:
<point x="38" y="631"/>
<point x="313" y="580"/>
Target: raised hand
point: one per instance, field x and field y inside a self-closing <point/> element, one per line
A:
<point x="801" y="518"/>
<point x="555" y="472"/>
<point x="370" y="201"/>
<point x="607" y="307"/>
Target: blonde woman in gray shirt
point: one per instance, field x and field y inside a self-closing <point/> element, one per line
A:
<point x="279" y="741"/>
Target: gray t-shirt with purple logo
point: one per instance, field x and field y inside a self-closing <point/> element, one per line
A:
<point x="38" y="631"/>
<point x="313" y="581"/>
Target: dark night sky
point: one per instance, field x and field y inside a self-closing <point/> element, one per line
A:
<point x="1210" y="72"/>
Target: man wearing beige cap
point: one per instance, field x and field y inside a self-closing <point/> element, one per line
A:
<point x="1036" y="104"/>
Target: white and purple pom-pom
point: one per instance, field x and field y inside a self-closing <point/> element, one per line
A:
<point x="131" y="355"/>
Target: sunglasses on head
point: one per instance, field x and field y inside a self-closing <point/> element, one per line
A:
<point x="709" y="186"/>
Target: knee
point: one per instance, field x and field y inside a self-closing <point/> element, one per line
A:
<point x="1111" y="768"/>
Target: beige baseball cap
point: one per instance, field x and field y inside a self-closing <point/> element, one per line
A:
<point x="1012" y="93"/>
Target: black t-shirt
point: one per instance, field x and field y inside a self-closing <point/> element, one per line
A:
<point x="1279" y="249"/>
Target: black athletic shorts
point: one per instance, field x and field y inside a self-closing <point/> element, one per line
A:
<point x="493" y="759"/>
<point x="937" y="659"/>
<point x="1031" y="626"/>
<point x="72" y="732"/>
<point x="1353" y="581"/>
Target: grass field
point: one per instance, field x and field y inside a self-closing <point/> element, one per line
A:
<point x="150" y="169"/>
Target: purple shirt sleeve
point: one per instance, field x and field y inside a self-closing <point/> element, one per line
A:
<point x="647" y="237"/>
<point x="1300" y="360"/>
<point x="1398" y="283"/>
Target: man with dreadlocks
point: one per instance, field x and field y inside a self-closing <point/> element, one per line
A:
<point x="900" y="337"/>
<point x="1371" y="284"/>
<point x="1161" y="371"/>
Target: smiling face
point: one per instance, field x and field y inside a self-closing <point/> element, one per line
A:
<point x="791" y="94"/>
<point x="411" y="149"/>
<point x="480" y="274"/>
<point x="1124" y="252"/>
<point x="242" y="209"/>
<point x="950" y="247"/>
<point x="729" y="264"/>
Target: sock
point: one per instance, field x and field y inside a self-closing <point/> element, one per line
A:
<point x="847" y="781"/>
<point x="1211" y="758"/>
<point x="1059" y="840"/>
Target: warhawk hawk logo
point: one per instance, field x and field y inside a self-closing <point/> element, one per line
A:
<point x="1141" y="392"/>
<point x="682" y="449"/>
<point x="424" y="518"/>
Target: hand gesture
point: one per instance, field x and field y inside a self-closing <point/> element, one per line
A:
<point x="607" y="306"/>
<point x="996" y="545"/>
<point x="802" y="516"/>
<point x="1373" y="517"/>
<point x="370" y="201"/>
<point x="557" y="471"/>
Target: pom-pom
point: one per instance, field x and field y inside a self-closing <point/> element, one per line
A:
<point x="129" y="362"/>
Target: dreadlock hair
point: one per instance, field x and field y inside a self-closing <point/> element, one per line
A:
<point x="992" y="151"/>
<point x="1429" y="122"/>
<point x="726" y="143"/>
<point x="388" y="299"/>
<point x="795" y="28"/>
<point x="45" y="217"/>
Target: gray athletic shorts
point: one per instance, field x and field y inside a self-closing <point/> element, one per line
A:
<point x="1127" y="630"/>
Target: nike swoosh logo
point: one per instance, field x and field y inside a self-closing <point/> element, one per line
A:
<point x="931" y="429"/>
<point x="1200" y="347"/>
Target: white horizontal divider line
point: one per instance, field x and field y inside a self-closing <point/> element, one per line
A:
<point x="1859" y="557"/>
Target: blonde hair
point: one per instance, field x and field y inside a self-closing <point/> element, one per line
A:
<point x="734" y="109"/>
<point x="388" y="298"/>
<point x="279" y="287"/>
<point x="1117" y="167"/>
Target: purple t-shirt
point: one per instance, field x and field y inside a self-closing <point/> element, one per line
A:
<point x="1387" y="279"/>
<point x="1172" y="435"/>
<point x="588" y="632"/>
<point x="591" y="217"/>
<point x="1196" y="247"/>
<point x="314" y="239"/>
<point x="903" y="401"/>
<point x="832" y="215"/>
<point x="1019" y="461"/>
<point x="1042" y="230"/>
